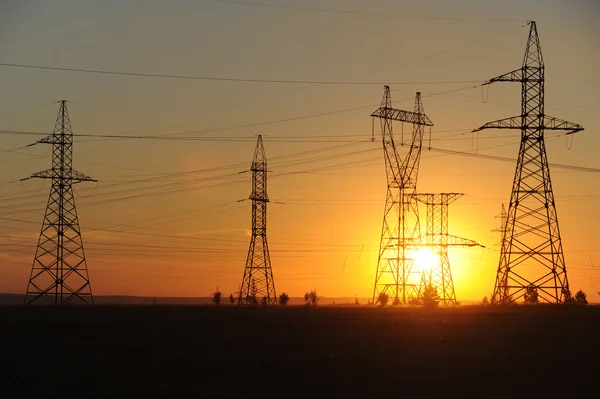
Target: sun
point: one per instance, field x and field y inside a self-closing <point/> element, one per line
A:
<point x="424" y="259"/>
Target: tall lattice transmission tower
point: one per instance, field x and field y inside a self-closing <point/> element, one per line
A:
<point x="503" y="216"/>
<point x="258" y="283"/>
<point x="400" y="232"/>
<point x="438" y="241"/>
<point x="59" y="274"/>
<point x="531" y="257"/>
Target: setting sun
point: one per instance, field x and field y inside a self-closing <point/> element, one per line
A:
<point x="424" y="258"/>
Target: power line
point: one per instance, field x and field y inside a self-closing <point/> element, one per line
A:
<point x="372" y="14"/>
<point x="220" y="79"/>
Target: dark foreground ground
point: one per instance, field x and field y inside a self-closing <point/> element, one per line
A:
<point x="336" y="352"/>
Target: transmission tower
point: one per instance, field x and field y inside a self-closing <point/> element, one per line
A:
<point x="401" y="230"/>
<point x="532" y="255"/>
<point x="59" y="274"/>
<point x="503" y="216"/>
<point x="257" y="283"/>
<point x="438" y="240"/>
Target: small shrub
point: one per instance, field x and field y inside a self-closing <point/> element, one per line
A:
<point x="383" y="299"/>
<point x="531" y="295"/>
<point x="284" y="299"/>
<point x="216" y="297"/>
<point x="581" y="298"/>
<point x="311" y="298"/>
<point x="415" y="301"/>
<point x="264" y="301"/>
<point x="231" y="299"/>
<point x="430" y="296"/>
<point x="356" y="300"/>
<point x="485" y="301"/>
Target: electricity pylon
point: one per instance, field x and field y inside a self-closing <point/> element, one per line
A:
<point x="438" y="240"/>
<point x="532" y="256"/>
<point x="502" y="229"/>
<point x="59" y="273"/>
<point x="401" y="230"/>
<point x="257" y="283"/>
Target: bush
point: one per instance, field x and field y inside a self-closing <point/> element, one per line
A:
<point x="581" y="298"/>
<point x="415" y="301"/>
<point x="311" y="298"/>
<point x="568" y="298"/>
<point x="284" y="299"/>
<point x="430" y="296"/>
<point x="231" y="299"/>
<point x="216" y="297"/>
<point x="485" y="301"/>
<point x="531" y="295"/>
<point x="264" y="301"/>
<point x="383" y="299"/>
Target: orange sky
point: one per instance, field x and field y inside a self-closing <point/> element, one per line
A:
<point x="184" y="233"/>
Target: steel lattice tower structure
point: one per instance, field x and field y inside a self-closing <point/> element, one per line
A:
<point x="401" y="229"/>
<point x="532" y="253"/>
<point x="503" y="216"/>
<point x="257" y="282"/>
<point x="59" y="274"/>
<point x="438" y="240"/>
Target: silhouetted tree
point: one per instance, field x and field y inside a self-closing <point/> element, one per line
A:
<point x="415" y="301"/>
<point x="231" y="299"/>
<point x="264" y="301"/>
<point x="284" y="299"/>
<point x="311" y="298"/>
<point x="485" y="301"/>
<point x="531" y="295"/>
<point x="396" y="301"/>
<point x="569" y="299"/>
<point x="581" y="298"/>
<point x="383" y="299"/>
<point x="430" y="296"/>
<point x="356" y="299"/>
<point x="216" y="297"/>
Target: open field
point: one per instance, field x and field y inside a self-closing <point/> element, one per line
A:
<point x="227" y="351"/>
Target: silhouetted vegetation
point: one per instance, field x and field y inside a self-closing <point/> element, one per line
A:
<point x="581" y="298"/>
<point x="216" y="297"/>
<point x="383" y="299"/>
<point x="264" y="301"/>
<point x="231" y="299"/>
<point x="284" y="299"/>
<point x="415" y="301"/>
<point x="531" y="295"/>
<point x="430" y="296"/>
<point x="485" y="301"/>
<point x="311" y="298"/>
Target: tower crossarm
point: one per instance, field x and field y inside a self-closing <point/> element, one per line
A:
<point x="548" y="123"/>
<point x="72" y="175"/>
<point x="455" y="241"/>
<point x="524" y="74"/>
<point x="402" y="116"/>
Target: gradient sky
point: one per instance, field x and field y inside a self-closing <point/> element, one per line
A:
<point x="184" y="234"/>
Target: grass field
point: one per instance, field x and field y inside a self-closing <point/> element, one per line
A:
<point x="328" y="351"/>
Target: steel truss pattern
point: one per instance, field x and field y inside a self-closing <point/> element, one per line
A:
<point x="258" y="284"/>
<point x="401" y="229"/>
<point x="531" y="257"/>
<point x="438" y="240"/>
<point x="59" y="274"/>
